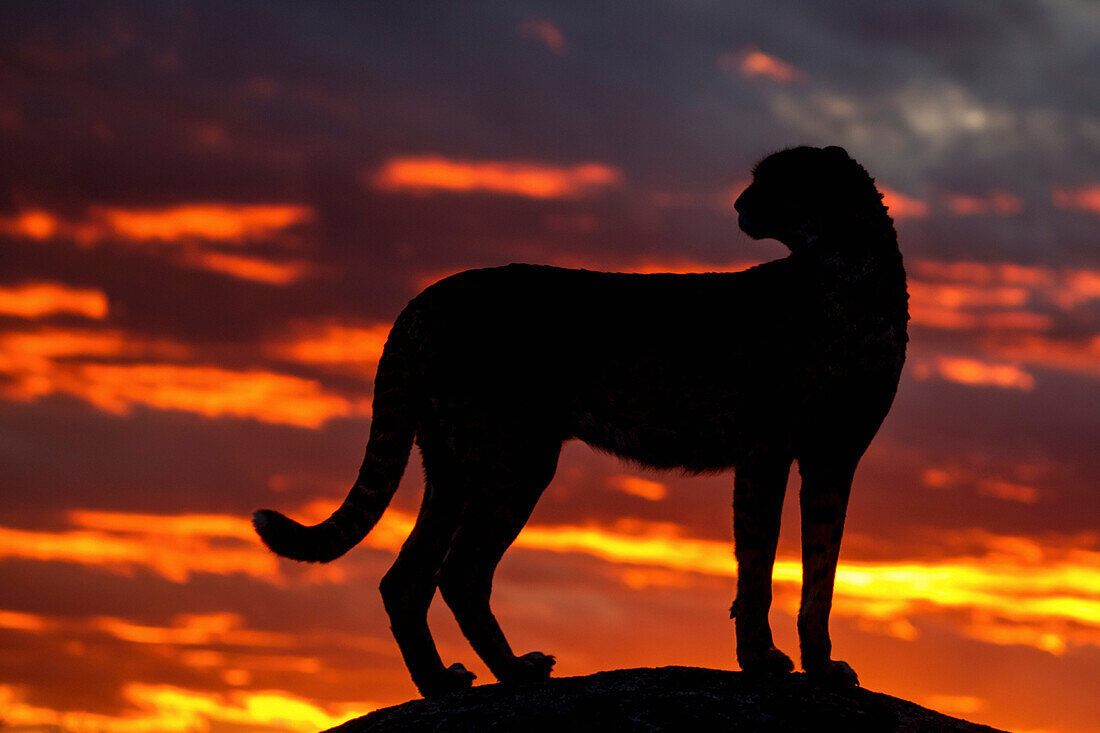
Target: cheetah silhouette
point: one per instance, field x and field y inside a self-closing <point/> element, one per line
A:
<point x="491" y="370"/>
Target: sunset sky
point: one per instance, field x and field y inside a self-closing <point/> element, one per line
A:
<point x="211" y="213"/>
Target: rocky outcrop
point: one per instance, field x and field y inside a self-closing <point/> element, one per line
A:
<point x="663" y="699"/>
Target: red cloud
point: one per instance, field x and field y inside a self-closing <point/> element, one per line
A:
<point x="999" y="203"/>
<point x="545" y="32"/>
<point x="213" y="221"/>
<point x="72" y="362"/>
<point x="41" y="299"/>
<point x="975" y="373"/>
<point x="901" y="206"/>
<point x="32" y="224"/>
<point x="342" y="347"/>
<point x="425" y="174"/>
<point x="1086" y="198"/>
<point x="256" y="269"/>
<point x="753" y="63"/>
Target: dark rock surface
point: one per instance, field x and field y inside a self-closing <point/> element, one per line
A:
<point x="664" y="699"/>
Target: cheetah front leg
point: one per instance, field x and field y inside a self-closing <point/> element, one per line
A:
<point x="759" y="486"/>
<point x="826" y="484"/>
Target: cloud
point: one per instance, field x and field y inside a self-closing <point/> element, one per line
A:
<point x="1018" y="486"/>
<point x="31" y="622"/>
<point x="213" y="221"/>
<point x="255" y="269"/>
<point x="225" y="223"/>
<point x="1049" y="592"/>
<point x="191" y="231"/>
<point x="995" y="296"/>
<point x="1086" y="198"/>
<point x="175" y="547"/>
<point x="224" y="629"/>
<point x="997" y="203"/>
<point x="955" y="704"/>
<point x="1009" y="491"/>
<point x="31" y="224"/>
<point x="753" y="63"/>
<point x="957" y="296"/>
<point x="1078" y="286"/>
<point x="974" y="373"/>
<point x="427" y="174"/>
<point x="42" y="299"/>
<point x="170" y="554"/>
<point x="71" y="362"/>
<point x="545" y="32"/>
<point x="638" y="486"/>
<point x="170" y="709"/>
<point x="987" y="273"/>
<point x="901" y="206"/>
<point x="343" y="347"/>
<point x="1068" y="355"/>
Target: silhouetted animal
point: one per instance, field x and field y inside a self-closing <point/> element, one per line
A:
<point x="492" y="370"/>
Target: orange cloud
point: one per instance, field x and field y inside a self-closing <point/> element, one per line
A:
<point x="994" y="296"/>
<point x="31" y="224"/>
<point x="937" y="478"/>
<point x="208" y="391"/>
<point x="955" y="295"/>
<point x="753" y="63"/>
<point x="946" y="318"/>
<point x="167" y="709"/>
<point x="166" y="525"/>
<point x="213" y="221"/>
<point x="1081" y="357"/>
<point x="1049" y="593"/>
<point x="246" y="663"/>
<point x="173" y="557"/>
<point x="31" y="622"/>
<point x="1086" y="198"/>
<point x="1079" y="286"/>
<point x="998" y="203"/>
<point x="942" y="477"/>
<point x="975" y="373"/>
<point x="41" y="299"/>
<point x="59" y="361"/>
<point x="174" y="547"/>
<point x="24" y="355"/>
<point x="226" y="629"/>
<point x="255" y="269"/>
<point x="984" y="273"/>
<point x="1053" y="592"/>
<point x="901" y="206"/>
<point x="354" y="349"/>
<point x="955" y="704"/>
<point x="424" y="174"/>
<point x="545" y="32"/>
<point x="1009" y="491"/>
<point x="638" y="486"/>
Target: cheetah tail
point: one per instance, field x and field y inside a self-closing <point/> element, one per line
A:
<point x="391" y="437"/>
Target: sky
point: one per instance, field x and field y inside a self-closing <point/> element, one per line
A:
<point x="210" y="214"/>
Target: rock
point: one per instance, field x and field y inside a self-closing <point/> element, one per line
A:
<point x="663" y="699"/>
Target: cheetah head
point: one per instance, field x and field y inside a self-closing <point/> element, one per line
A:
<point x="802" y="194"/>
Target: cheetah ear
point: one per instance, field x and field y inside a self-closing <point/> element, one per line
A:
<point x="837" y="151"/>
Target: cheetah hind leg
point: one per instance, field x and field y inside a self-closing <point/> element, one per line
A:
<point x="407" y="591"/>
<point x="488" y="527"/>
